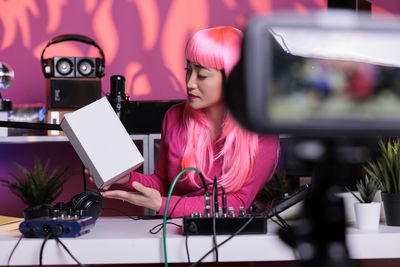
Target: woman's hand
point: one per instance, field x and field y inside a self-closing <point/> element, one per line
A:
<point x="146" y="197"/>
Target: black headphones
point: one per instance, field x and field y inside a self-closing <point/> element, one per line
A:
<point x="89" y="203"/>
<point x="47" y="64"/>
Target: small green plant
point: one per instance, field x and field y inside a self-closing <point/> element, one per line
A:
<point x="37" y="186"/>
<point x="386" y="168"/>
<point x="274" y="188"/>
<point x="367" y="189"/>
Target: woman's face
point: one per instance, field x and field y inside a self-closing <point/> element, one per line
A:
<point x="204" y="86"/>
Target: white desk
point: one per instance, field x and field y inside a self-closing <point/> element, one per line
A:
<point x="120" y="240"/>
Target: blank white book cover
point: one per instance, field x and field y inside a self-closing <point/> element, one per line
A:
<point x="102" y="142"/>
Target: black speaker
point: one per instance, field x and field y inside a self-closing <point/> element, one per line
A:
<point x="73" y="66"/>
<point x="136" y="114"/>
<point x="87" y="67"/>
<point x="64" y="93"/>
<point x="72" y="82"/>
<point x="356" y="5"/>
<point x="64" y="67"/>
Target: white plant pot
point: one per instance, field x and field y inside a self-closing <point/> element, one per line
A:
<point x="367" y="215"/>
<point x="349" y="201"/>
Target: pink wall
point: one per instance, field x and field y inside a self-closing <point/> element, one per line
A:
<point x="142" y="40"/>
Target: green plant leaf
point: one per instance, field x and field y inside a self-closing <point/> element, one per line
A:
<point x="367" y="189"/>
<point x="385" y="170"/>
<point x="351" y="192"/>
<point x="36" y="186"/>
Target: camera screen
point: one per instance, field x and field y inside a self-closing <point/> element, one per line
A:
<point x="320" y="89"/>
<point x="323" y="75"/>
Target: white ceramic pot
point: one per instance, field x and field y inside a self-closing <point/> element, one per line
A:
<point x="367" y="215"/>
<point x="349" y="201"/>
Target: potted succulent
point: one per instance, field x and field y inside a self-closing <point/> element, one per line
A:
<point x="367" y="212"/>
<point x="386" y="171"/>
<point x="37" y="187"/>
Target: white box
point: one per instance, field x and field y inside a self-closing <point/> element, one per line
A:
<point x="102" y="142"/>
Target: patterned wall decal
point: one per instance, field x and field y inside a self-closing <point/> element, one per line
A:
<point x="55" y="14"/>
<point x="14" y="18"/>
<point x="105" y="30"/>
<point x="150" y="21"/>
<point x="143" y="40"/>
<point x="184" y="18"/>
<point x="261" y="7"/>
<point x="300" y="8"/>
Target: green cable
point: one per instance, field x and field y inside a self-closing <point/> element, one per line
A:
<point x="166" y="210"/>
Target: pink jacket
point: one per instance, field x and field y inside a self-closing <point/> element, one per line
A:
<point x="169" y="165"/>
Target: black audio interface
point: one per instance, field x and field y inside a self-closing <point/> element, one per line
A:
<point x="224" y="225"/>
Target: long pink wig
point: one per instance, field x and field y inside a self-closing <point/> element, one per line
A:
<point x="218" y="48"/>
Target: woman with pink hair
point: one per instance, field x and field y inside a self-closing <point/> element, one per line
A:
<point x="200" y="133"/>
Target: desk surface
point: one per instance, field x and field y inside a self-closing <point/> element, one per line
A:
<point x="120" y="240"/>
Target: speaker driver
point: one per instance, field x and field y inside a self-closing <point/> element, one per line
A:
<point x="85" y="67"/>
<point x="64" y="67"/>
